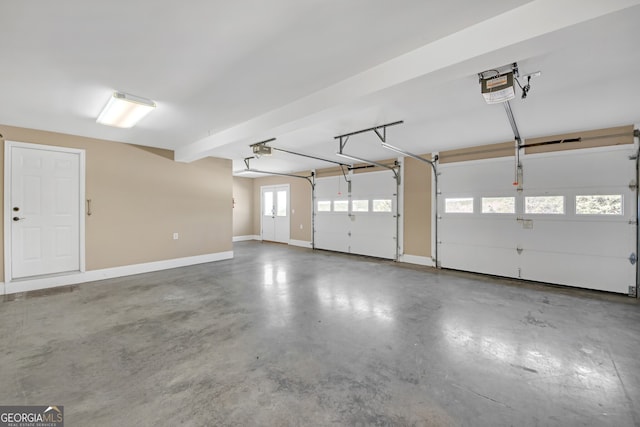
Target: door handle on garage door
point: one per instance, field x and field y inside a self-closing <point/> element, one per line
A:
<point x="15" y="218"/>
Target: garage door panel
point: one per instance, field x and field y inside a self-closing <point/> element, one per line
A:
<point x="477" y="231"/>
<point x="589" y="238"/>
<point x="335" y="235"/>
<point x="375" y="246"/>
<point x="330" y="187"/>
<point x="372" y="183"/>
<point x="587" y="247"/>
<point x="370" y="232"/>
<point x="484" y="259"/>
<point x="373" y="225"/>
<point x="497" y="175"/>
<point x="580" y="168"/>
<point x="579" y="270"/>
<point x="375" y="238"/>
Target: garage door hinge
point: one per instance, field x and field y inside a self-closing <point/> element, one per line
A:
<point x="633" y="291"/>
<point x="633" y="259"/>
<point x="633" y="185"/>
<point x="633" y="222"/>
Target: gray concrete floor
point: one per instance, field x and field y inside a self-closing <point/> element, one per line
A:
<point x="287" y="336"/>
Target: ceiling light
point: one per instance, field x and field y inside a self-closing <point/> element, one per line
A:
<point x="124" y="110"/>
<point x="498" y="89"/>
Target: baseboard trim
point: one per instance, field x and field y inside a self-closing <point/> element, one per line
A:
<point x="109" y="273"/>
<point x="245" y="238"/>
<point x="301" y="243"/>
<point x="419" y="260"/>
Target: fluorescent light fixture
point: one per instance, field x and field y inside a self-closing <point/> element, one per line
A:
<point x="242" y="172"/>
<point x="498" y="89"/>
<point x="405" y="153"/>
<point x="358" y="159"/>
<point x="124" y="110"/>
<point x="250" y="172"/>
<point x="397" y="150"/>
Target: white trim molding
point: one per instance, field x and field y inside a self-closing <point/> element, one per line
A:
<point x="301" y="243"/>
<point x="245" y="238"/>
<point x="419" y="260"/>
<point x="27" y="285"/>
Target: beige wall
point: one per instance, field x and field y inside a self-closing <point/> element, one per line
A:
<point x="588" y="139"/>
<point x="243" y="206"/>
<point x="300" y="199"/>
<point x="140" y="197"/>
<point x="417" y="207"/>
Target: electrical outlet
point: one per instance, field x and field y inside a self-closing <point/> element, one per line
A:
<point x="176" y="236"/>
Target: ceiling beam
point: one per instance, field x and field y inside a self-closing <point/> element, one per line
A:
<point x="518" y="25"/>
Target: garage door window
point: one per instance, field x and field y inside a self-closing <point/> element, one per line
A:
<point x="324" y="205"/>
<point x="360" y="206"/>
<point x="549" y="205"/>
<point x="610" y="204"/>
<point x="458" y="205"/>
<point x="382" y="205"/>
<point x="340" y="206"/>
<point x="499" y="205"/>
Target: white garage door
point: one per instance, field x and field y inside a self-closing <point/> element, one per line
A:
<point x="362" y="221"/>
<point x="573" y="223"/>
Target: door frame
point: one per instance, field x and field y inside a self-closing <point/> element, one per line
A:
<point x="7" y="202"/>
<point x="275" y="186"/>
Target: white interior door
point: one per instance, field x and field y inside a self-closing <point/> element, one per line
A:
<point x="43" y="210"/>
<point x="275" y="213"/>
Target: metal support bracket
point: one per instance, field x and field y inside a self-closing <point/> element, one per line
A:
<point x="382" y="137"/>
<point x="344" y="138"/>
<point x="246" y="162"/>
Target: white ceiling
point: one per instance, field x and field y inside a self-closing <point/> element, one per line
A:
<point x="227" y="74"/>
